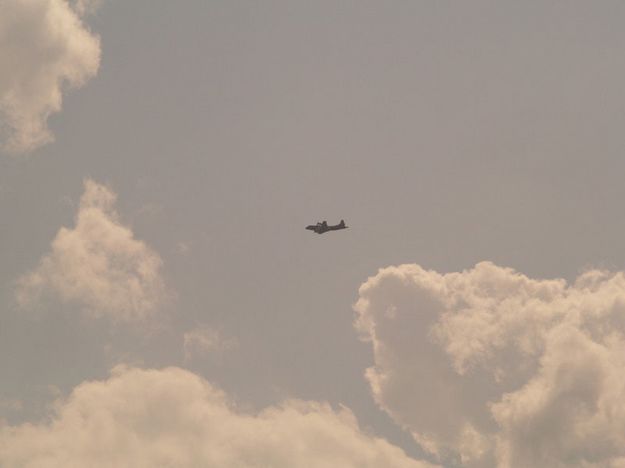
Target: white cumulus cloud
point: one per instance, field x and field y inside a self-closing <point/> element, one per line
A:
<point x="44" y="49"/>
<point x="171" y="417"/>
<point x="488" y="367"/>
<point x="98" y="265"/>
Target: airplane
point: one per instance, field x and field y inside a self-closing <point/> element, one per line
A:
<point x="320" y="228"/>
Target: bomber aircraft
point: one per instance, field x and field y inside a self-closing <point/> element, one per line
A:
<point x="322" y="227"/>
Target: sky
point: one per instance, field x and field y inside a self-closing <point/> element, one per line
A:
<point x="162" y="304"/>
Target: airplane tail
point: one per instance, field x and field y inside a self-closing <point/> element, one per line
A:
<point x="342" y="223"/>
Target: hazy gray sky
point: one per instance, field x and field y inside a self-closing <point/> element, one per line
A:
<point x="161" y="160"/>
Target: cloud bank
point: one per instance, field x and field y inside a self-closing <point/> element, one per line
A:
<point x="98" y="265"/>
<point x="44" y="48"/>
<point x="488" y="367"/>
<point x="171" y="417"/>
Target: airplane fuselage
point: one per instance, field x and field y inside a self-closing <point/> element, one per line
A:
<point x="323" y="227"/>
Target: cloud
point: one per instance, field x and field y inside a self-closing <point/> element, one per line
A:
<point x="488" y="367"/>
<point x="44" y="48"/>
<point x="171" y="417"/>
<point x="183" y="248"/>
<point x="204" y="341"/>
<point x="85" y="7"/>
<point x="10" y="405"/>
<point x="98" y="265"/>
